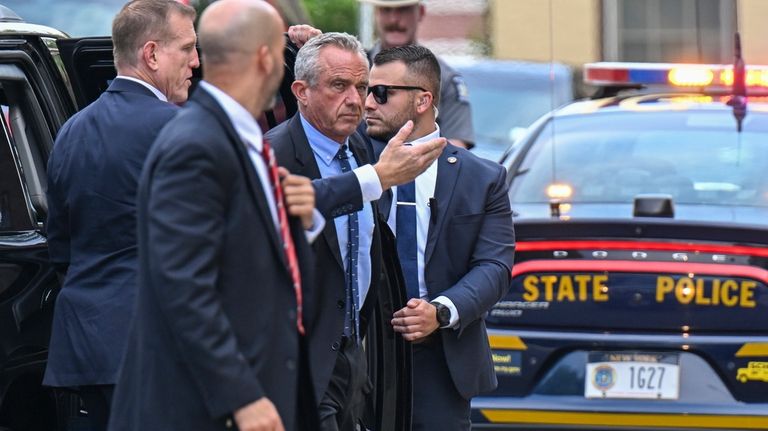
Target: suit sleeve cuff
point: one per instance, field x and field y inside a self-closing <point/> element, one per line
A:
<point x="370" y="185"/>
<point x="454" y="322"/>
<point x="318" y="223"/>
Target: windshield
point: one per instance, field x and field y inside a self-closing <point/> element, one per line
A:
<point x="697" y="157"/>
<point x="77" y="18"/>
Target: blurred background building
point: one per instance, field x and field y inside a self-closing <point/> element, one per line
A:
<point x="580" y="31"/>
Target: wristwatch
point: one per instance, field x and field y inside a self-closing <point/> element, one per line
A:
<point x="443" y="314"/>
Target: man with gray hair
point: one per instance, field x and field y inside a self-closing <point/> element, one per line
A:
<point x="320" y="142"/>
<point x="93" y="173"/>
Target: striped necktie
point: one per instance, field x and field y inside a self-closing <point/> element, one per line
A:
<point x="285" y="234"/>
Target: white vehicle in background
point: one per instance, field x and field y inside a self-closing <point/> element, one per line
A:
<point x="508" y="96"/>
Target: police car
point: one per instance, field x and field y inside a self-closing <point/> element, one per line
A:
<point x="640" y="287"/>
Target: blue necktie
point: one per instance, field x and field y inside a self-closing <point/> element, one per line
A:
<point x="352" y="318"/>
<point x="406" y="237"/>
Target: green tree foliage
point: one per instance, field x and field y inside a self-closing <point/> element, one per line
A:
<point x="333" y="15"/>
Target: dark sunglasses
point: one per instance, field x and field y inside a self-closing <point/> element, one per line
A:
<point x="380" y="91"/>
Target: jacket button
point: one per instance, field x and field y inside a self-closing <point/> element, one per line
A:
<point x="228" y="423"/>
<point x="341" y="304"/>
<point x="290" y="364"/>
<point x="292" y="315"/>
<point x="335" y="346"/>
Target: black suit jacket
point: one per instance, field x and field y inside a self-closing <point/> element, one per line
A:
<point x="294" y="153"/>
<point x="215" y="325"/>
<point x="93" y="173"/>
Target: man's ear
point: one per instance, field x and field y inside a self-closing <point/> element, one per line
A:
<point x="424" y="102"/>
<point x="266" y="60"/>
<point x="149" y="54"/>
<point x="299" y="90"/>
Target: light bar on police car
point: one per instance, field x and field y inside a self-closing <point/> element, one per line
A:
<point x="716" y="76"/>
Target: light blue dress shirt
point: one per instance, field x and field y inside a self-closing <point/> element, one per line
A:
<point x="325" y="150"/>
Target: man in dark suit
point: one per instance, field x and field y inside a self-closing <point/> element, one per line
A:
<point x="455" y="242"/>
<point x="331" y="76"/>
<point x="92" y="178"/>
<point x="220" y="318"/>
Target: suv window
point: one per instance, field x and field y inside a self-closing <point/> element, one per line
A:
<point x="14" y="215"/>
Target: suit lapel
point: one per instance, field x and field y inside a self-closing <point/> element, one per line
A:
<point x="306" y="158"/>
<point x="252" y="181"/>
<point x="447" y="174"/>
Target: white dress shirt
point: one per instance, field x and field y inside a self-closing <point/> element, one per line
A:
<point x="249" y="131"/>
<point x="425" y="189"/>
<point x="370" y="185"/>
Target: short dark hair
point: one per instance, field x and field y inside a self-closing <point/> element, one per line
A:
<point x="420" y="63"/>
<point x="140" y="21"/>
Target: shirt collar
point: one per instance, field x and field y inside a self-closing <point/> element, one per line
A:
<point x="324" y="147"/>
<point x="433" y="135"/>
<point x="159" y="94"/>
<point x="244" y="123"/>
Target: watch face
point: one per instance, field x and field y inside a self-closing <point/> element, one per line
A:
<point x="443" y="315"/>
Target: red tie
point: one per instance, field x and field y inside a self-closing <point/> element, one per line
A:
<point x="285" y="233"/>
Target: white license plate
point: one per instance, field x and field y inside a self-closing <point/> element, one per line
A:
<point x="632" y="375"/>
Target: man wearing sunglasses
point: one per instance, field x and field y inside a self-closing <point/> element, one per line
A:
<point x="331" y="79"/>
<point x="455" y="242"/>
<point x="397" y="23"/>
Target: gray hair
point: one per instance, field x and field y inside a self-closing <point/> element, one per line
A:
<point x="306" y="67"/>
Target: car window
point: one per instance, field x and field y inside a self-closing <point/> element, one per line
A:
<point x="14" y="215"/>
<point x="77" y="18"/>
<point x="697" y="157"/>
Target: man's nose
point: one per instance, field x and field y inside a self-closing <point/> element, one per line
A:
<point x="370" y="103"/>
<point x="352" y="97"/>
<point x="195" y="62"/>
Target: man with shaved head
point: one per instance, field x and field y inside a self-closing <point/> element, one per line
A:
<point x="223" y="304"/>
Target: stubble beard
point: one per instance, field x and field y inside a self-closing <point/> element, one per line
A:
<point x="389" y="129"/>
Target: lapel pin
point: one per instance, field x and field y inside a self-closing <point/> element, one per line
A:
<point x="452" y="160"/>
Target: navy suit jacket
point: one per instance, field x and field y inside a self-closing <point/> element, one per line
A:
<point x="295" y="153"/>
<point x="468" y="258"/>
<point x="215" y="325"/>
<point x="93" y="173"/>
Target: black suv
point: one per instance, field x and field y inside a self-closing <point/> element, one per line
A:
<point x="44" y="79"/>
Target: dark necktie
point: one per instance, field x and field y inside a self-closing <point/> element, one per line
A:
<point x="285" y="233"/>
<point x="406" y="237"/>
<point x="352" y="318"/>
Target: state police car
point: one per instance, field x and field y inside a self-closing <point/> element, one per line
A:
<point x="640" y="288"/>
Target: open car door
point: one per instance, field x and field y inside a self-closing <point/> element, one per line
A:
<point x="89" y="65"/>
